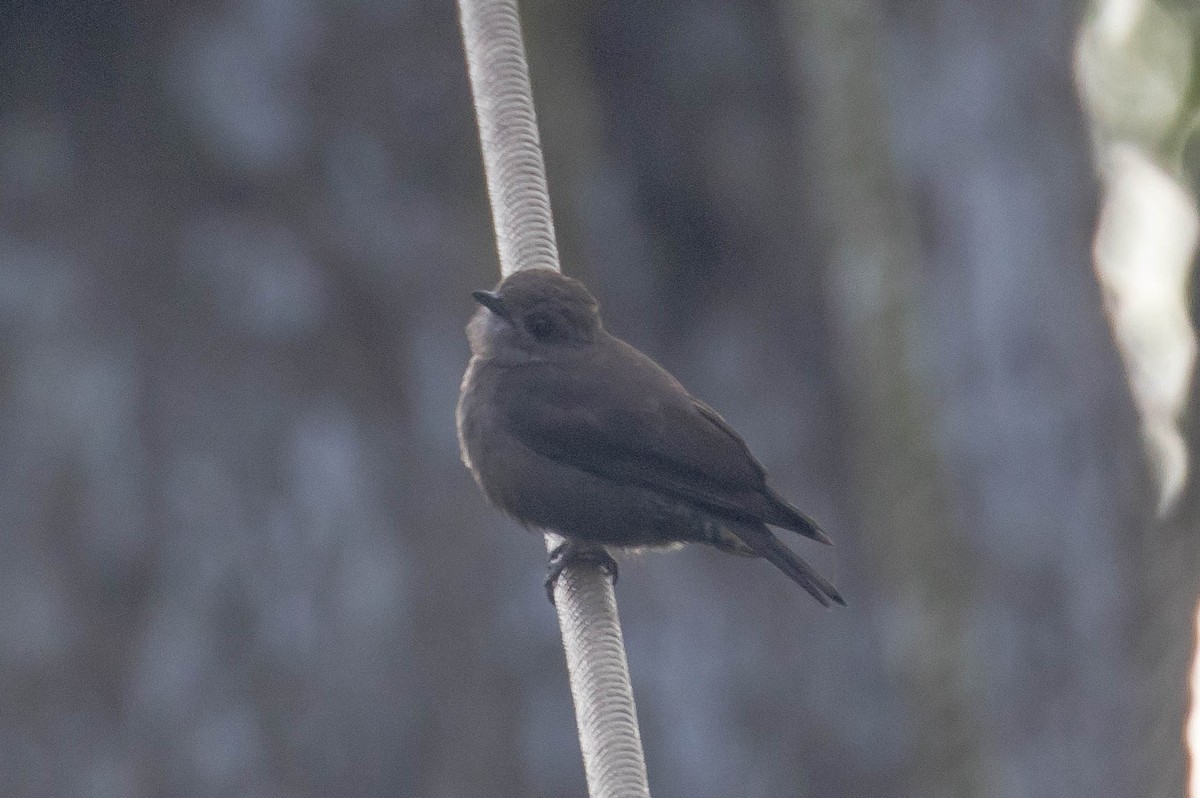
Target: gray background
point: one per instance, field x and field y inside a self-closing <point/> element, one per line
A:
<point x="239" y="556"/>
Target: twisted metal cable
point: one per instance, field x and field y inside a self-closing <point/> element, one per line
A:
<point x="516" y="179"/>
<point x="512" y="152"/>
<point x="604" y="710"/>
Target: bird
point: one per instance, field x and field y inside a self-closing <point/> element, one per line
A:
<point x="566" y="427"/>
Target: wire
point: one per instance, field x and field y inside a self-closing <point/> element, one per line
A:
<point x="516" y="180"/>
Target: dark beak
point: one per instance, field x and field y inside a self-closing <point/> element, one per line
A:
<point x="492" y="302"/>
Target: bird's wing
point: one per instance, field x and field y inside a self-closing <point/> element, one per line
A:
<point x="647" y="430"/>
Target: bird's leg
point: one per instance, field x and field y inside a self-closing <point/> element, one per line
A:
<point x="569" y="553"/>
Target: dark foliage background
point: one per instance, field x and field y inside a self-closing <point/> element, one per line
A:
<point x="239" y="556"/>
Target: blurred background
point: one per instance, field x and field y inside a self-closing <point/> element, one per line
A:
<point x="931" y="258"/>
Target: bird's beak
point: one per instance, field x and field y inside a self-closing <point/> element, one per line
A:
<point x="492" y="302"/>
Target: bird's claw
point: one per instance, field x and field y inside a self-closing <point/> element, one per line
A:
<point x="569" y="553"/>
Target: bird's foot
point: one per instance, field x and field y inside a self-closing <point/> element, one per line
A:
<point x="569" y="553"/>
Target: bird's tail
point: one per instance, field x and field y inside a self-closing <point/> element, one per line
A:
<point x="781" y="512"/>
<point x="766" y="545"/>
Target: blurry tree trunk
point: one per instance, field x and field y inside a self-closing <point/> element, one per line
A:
<point x="1034" y="416"/>
<point x="1168" y="586"/>
<point x="1031" y="586"/>
<point x="1166" y="635"/>
<point x="1146" y="240"/>
<point x="923" y="568"/>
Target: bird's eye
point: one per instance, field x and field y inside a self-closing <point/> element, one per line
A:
<point x="541" y="326"/>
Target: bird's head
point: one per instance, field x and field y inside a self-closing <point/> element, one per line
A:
<point x="534" y="314"/>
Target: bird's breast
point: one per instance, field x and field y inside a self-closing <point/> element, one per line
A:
<point x="470" y="416"/>
<point x="494" y="457"/>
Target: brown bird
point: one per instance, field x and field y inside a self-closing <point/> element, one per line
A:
<point x="568" y="428"/>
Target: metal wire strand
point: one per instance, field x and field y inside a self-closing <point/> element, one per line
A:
<point x="512" y="152"/>
<point x="516" y="179"/>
